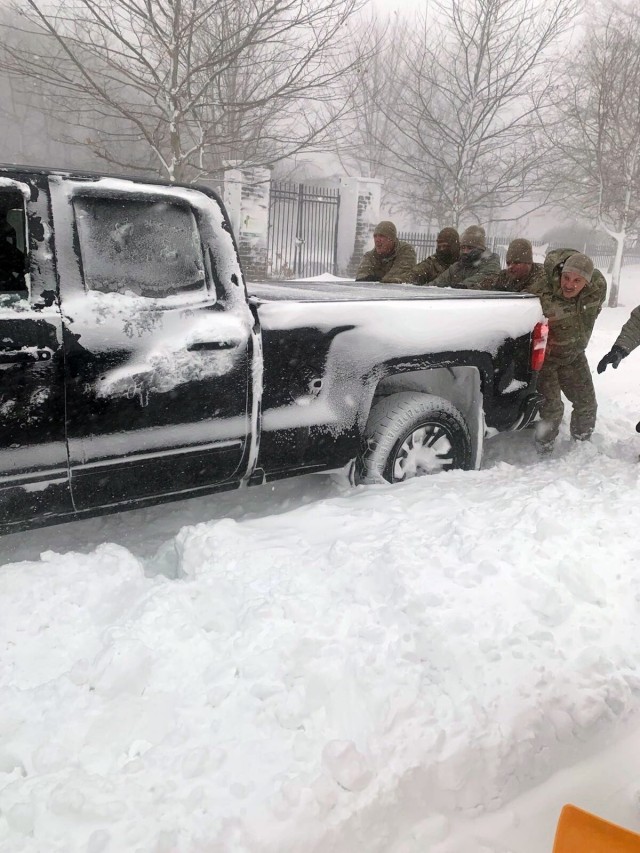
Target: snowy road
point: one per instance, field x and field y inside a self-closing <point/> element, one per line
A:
<point x="312" y="667"/>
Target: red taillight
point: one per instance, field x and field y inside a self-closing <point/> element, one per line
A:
<point x="539" y="344"/>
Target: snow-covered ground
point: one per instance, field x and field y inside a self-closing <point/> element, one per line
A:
<point x="306" y="666"/>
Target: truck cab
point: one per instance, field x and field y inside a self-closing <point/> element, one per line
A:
<point x="126" y="345"/>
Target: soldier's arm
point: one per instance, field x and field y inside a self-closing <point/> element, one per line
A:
<point x="490" y="282"/>
<point x="402" y="266"/>
<point x="538" y="284"/>
<point x="420" y="274"/>
<point x="601" y="288"/>
<point x="629" y="337"/>
<point x="365" y="270"/>
<point x="593" y="305"/>
<point x="489" y="267"/>
<point x="444" y="279"/>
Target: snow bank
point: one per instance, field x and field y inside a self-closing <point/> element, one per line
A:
<point x="384" y="668"/>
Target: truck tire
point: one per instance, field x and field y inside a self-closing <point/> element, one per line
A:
<point x="411" y="435"/>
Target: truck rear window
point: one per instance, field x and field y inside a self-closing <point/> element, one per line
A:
<point x="13" y="249"/>
<point x="143" y="247"/>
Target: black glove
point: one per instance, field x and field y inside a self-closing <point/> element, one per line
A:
<point x="613" y="357"/>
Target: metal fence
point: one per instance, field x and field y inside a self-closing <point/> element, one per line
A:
<point x="303" y="230"/>
<point x="601" y="255"/>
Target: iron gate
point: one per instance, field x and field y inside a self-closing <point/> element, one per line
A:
<point x="303" y="230"/>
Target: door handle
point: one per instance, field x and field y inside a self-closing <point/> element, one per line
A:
<point x="201" y="346"/>
<point x="25" y="356"/>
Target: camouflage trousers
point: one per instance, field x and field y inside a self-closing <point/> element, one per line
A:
<point x="575" y="382"/>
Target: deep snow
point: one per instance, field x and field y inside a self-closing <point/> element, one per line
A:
<point x="437" y="666"/>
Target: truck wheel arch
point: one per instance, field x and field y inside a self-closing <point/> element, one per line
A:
<point x="459" y="385"/>
<point x="411" y="434"/>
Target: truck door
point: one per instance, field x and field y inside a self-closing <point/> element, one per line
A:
<point x="157" y="341"/>
<point x="34" y="479"/>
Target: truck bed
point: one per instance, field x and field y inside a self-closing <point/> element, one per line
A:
<point x="364" y="291"/>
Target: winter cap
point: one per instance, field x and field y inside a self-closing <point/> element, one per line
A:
<point x="450" y="236"/>
<point x="473" y="236"/>
<point x="520" y="252"/>
<point x="580" y="264"/>
<point x="386" y="229"/>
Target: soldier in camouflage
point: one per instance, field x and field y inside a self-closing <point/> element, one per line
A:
<point x="447" y="253"/>
<point x="391" y="261"/>
<point x="475" y="264"/>
<point x="626" y="342"/>
<point x="571" y="297"/>
<point x="522" y="275"/>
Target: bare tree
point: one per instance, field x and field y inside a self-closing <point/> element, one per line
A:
<point x="473" y="75"/>
<point x="178" y="86"/>
<point x="370" y="87"/>
<point x="596" y="135"/>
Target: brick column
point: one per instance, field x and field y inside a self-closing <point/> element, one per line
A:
<point x="246" y="194"/>
<point x="233" y="197"/>
<point x="359" y="214"/>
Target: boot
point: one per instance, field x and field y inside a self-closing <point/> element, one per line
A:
<point x="544" y="448"/>
<point x="543" y="442"/>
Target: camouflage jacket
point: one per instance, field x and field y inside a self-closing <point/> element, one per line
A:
<point x="571" y="321"/>
<point x="468" y="275"/>
<point x="429" y="269"/>
<point x="629" y="337"/>
<point x="391" y="269"/>
<point x="533" y="283"/>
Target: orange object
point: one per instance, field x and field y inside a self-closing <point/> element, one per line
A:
<point x="581" y="832"/>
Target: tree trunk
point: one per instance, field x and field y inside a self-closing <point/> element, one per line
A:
<point x="615" y="270"/>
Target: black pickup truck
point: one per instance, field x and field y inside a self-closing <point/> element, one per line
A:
<point x="137" y="365"/>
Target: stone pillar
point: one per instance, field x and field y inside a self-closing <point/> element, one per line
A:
<point x="247" y="202"/>
<point x="233" y="197"/>
<point x="359" y="213"/>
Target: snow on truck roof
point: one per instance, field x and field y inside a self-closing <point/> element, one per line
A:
<point x="80" y="174"/>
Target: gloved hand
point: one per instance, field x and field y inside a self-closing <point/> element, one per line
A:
<point x="613" y="357"/>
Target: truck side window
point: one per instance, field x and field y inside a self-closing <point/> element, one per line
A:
<point x="145" y="247"/>
<point x="13" y="250"/>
